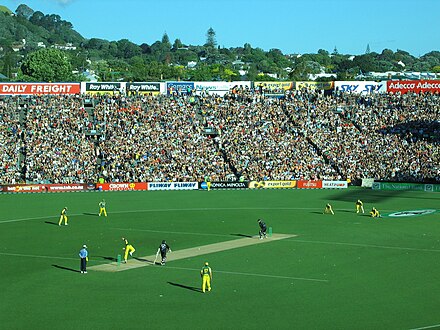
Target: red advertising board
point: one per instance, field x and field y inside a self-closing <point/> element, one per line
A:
<point x="417" y="86"/>
<point x="61" y="187"/>
<point x="39" y="88"/>
<point x="119" y="186"/>
<point x="309" y="184"/>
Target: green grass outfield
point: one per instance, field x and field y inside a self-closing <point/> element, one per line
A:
<point x="346" y="271"/>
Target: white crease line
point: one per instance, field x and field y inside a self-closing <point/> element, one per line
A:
<point x="427" y="327"/>
<point x="367" y="245"/>
<point x="253" y="274"/>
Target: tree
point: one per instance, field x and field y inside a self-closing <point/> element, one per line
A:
<point x="36" y="18"/>
<point x="24" y="11"/>
<point x="368" y="51"/>
<point x="166" y="44"/>
<point x="210" y="38"/>
<point x="47" y="64"/>
<point x="177" y="44"/>
<point x="10" y="60"/>
<point x="127" y="49"/>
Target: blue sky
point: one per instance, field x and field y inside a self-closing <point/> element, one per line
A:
<point x="293" y="26"/>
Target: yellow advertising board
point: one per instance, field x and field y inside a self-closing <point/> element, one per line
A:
<point x="320" y="85"/>
<point x="274" y="85"/>
<point x="272" y="184"/>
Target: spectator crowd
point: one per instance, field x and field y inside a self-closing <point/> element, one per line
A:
<point x="243" y="135"/>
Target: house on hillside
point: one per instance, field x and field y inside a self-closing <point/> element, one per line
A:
<point x="90" y="76"/>
<point x="17" y="46"/>
<point x="67" y="46"/>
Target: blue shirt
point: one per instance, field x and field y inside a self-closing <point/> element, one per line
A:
<point x="83" y="253"/>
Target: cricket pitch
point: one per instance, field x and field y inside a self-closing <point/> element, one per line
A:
<point x="188" y="253"/>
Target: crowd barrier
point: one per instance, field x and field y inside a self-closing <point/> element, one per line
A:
<point x="215" y="185"/>
<point x="142" y="186"/>
<point x="276" y="88"/>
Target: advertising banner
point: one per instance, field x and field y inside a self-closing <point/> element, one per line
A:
<point x="29" y="188"/>
<point x="173" y="185"/>
<point x="334" y="184"/>
<point x="417" y="86"/>
<point x="405" y="186"/>
<point x="272" y="184"/>
<point x="309" y="184"/>
<point x="219" y="87"/>
<point x="103" y="87"/>
<point x="152" y="88"/>
<point x="66" y="187"/>
<point x="179" y="87"/>
<point x="361" y="87"/>
<point x="122" y="186"/>
<point x="367" y="182"/>
<point x="39" y="88"/>
<point x="315" y="85"/>
<point x="274" y="86"/>
<point x="60" y="187"/>
<point x="225" y="185"/>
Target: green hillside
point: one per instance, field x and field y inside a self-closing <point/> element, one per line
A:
<point x="5" y="10"/>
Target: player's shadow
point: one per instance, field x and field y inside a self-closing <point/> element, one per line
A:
<point x="66" y="268"/>
<point x="242" y="235"/>
<point x="316" y="212"/>
<point x="144" y="260"/>
<point x="192" y="288"/>
<point x="51" y="223"/>
<point x="91" y="214"/>
<point x="109" y="258"/>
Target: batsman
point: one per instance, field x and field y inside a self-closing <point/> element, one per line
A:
<point x="163" y="249"/>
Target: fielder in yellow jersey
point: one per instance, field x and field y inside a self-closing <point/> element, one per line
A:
<point x="129" y="249"/>
<point x="102" y="208"/>
<point x="63" y="216"/>
<point x="359" y="206"/>
<point x="374" y="213"/>
<point x="206" y="274"/>
<point x="328" y="209"/>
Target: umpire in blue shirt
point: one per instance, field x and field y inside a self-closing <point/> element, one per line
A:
<point x="84" y="255"/>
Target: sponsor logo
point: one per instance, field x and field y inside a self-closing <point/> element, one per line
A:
<point x="65" y="187"/>
<point x="310" y="184"/>
<point x="229" y="185"/>
<point x="412" y="213"/>
<point x="160" y="185"/>
<point x="429" y="187"/>
<point x="362" y="88"/>
<point x="118" y="186"/>
<point x="257" y="184"/>
<point x="143" y="87"/>
<point x="334" y="184"/>
<point x="416" y="86"/>
<point x="172" y="185"/>
<point x="185" y="185"/>
<point x="122" y="186"/>
<point x="102" y="87"/>
<point x="204" y="185"/>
